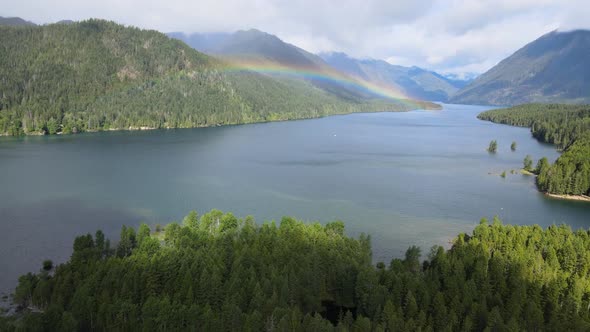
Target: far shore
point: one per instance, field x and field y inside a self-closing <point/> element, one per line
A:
<point x="434" y="107"/>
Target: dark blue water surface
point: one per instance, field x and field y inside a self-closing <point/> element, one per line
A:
<point x="418" y="177"/>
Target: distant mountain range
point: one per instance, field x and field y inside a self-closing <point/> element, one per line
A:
<point x="260" y="51"/>
<point x="14" y="21"/>
<point x="17" y="21"/>
<point x="461" y="80"/>
<point x="552" y="69"/>
<point x="412" y="81"/>
<point x="256" y="45"/>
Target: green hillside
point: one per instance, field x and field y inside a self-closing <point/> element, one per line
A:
<point x="552" y="69"/>
<point x="220" y="273"/>
<point x="98" y="75"/>
<point x="264" y="49"/>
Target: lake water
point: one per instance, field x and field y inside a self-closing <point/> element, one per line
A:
<point x="419" y="178"/>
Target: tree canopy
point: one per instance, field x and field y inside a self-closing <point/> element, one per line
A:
<point x="557" y="124"/>
<point x="493" y="147"/>
<point x="568" y="127"/>
<point x="218" y="272"/>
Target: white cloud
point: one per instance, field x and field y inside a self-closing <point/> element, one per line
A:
<point x="450" y="36"/>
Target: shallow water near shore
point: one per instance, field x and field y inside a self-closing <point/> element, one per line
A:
<point x="408" y="178"/>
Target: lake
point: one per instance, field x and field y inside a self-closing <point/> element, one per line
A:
<point x="409" y="178"/>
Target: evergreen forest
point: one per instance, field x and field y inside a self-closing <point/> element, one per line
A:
<point x="566" y="126"/>
<point x="98" y="75"/>
<point x="220" y="273"/>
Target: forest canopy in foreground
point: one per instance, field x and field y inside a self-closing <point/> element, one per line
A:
<point x="98" y="75"/>
<point x="568" y="127"/>
<point x="220" y="273"/>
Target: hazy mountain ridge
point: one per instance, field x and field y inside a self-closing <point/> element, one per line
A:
<point x="413" y="81"/>
<point x="255" y="45"/>
<point x="202" y="42"/>
<point x="250" y="43"/>
<point x="554" y="68"/>
<point x="15" y="21"/>
<point x="257" y="48"/>
<point x="460" y="81"/>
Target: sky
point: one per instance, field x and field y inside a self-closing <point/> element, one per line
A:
<point x="457" y="37"/>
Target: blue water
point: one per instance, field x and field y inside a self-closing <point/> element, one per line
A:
<point x="410" y="178"/>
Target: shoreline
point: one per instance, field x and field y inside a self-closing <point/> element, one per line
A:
<point x="148" y="128"/>
<point x="580" y="198"/>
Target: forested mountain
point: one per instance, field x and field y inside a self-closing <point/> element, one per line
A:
<point x="251" y="44"/>
<point x="14" y="21"/>
<point x="413" y="81"/>
<point x="567" y="126"/>
<point x="220" y="273"/>
<point x="260" y="51"/>
<point x="552" y="69"/>
<point x="257" y="46"/>
<point x="98" y="75"/>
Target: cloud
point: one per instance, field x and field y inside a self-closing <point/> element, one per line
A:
<point x="458" y="17"/>
<point x="450" y="36"/>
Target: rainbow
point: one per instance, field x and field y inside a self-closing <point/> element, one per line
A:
<point x="327" y="75"/>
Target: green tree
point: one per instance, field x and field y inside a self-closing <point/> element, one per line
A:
<point x="47" y="265"/>
<point x="528" y="163"/>
<point x="24" y="291"/>
<point x="143" y="233"/>
<point x="52" y="126"/>
<point x="191" y="220"/>
<point x="127" y="241"/>
<point x="493" y="146"/>
<point x="412" y="260"/>
<point x="99" y="241"/>
<point x="513" y="146"/>
<point x="542" y="166"/>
